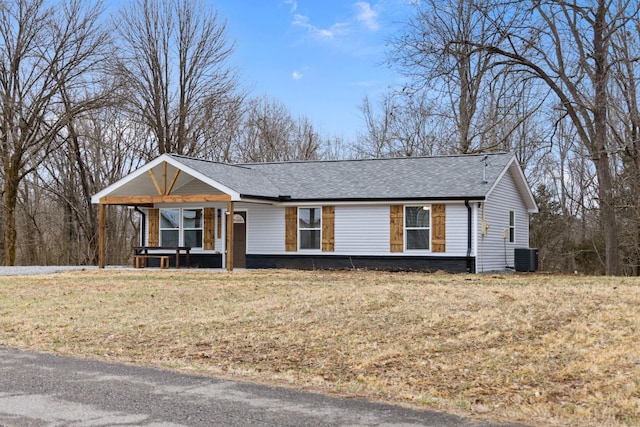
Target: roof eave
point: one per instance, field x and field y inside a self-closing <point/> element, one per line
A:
<point x="324" y="200"/>
<point x="173" y="161"/>
<point x="521" y="184"/>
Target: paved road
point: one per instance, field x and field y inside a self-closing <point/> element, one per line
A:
<point x="53" y="391"/>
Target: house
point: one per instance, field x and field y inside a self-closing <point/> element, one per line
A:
<point x="463" y="213"/>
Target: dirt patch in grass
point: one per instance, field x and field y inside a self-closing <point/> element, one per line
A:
<point x="546" y="350"/>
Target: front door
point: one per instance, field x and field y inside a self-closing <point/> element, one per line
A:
<point x="240" y="239"/>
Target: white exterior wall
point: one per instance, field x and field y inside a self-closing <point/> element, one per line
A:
<point x="265" y="228"/>
<point x="144" y="228"/>
<point x="495" y="252"/>
<point x="359" y="230"/>
<point x="365" y="229"/>
<point x="362" y="230"/>
<point x="456" y="230"/>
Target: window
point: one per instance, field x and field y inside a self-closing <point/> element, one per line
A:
<point x="169" y="227"/>
<point x="417" y="227"/>
<point x="310" y="227"/>
<point x="512" y="226"/>
<point x="181" y="227"/>
<point x="192" y="228"/>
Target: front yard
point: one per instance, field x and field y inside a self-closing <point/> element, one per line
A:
<point x="544" y="350"/>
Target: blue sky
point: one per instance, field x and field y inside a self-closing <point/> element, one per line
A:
<point x="318" y="57"/>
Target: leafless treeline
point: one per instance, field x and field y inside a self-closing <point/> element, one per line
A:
<point x="554" y="81"/>
<point x="86" y="97"/>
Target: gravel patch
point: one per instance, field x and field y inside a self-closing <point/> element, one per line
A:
<point x="41" y="269"/>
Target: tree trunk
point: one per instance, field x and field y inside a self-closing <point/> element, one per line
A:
<point x="608" y="215"/>
<point x="10" y="202"/>
<point x="599" y="147"/>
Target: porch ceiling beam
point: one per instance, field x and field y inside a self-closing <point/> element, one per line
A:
<point x="173" y="182"/>
<point x="150" y="200"/>
<point x="155" y="182"/>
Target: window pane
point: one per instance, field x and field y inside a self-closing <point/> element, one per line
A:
<point x="512" y="226"/>
<point x="309" y="218"/>
<point x="193" y="238"/>
<point x="169" y="237"/>
<point x="417" y="239"/>
<point x="416" y="216"/>
<point x="192" y="218"/>
<point x="169" y="218"/>
<point x="309" y="239"/>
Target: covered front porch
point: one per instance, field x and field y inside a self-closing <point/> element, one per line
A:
<point x="185" y="217"/>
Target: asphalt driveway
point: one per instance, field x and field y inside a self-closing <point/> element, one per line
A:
<point x="48" y="390"/>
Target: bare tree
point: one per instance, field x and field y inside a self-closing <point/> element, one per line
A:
<point x="43" y="48"/>
<point x="403" y="125"/>
<point x="306" y="141"/>
<point x="624" y="123"/>
<point x="98" y="149"/>
<point x="460" y="78"/>
<point x="271" y="134"/>
<point x="376" y="140"/>
<point x="174" y="59"/>
<point x="222" y="126"/>
<point x="566" y="46"/>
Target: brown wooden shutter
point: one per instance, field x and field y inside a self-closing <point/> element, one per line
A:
<point x="219" y="224"/>
<point x="397" y="228"/>
<point x="153" y="216"/>
<point x="291" y="228"/>
<point x="438" y="233"/>
<point x="328" y="225"/>
<point x="209" y="229"/>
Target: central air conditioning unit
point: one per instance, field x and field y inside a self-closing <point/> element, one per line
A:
<point x="526" y="259"/>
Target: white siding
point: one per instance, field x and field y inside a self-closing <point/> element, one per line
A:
<point x="495" y="252"/>
<point x="362" y="230"/>
<point x="144" y="228"/>
<point x="265" y="229"/>
<point x="359" y="230"/>
<point x="219" y="240"/>
<point x="456" y="223"/>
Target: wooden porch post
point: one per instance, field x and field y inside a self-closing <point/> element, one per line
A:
<point x="229" y="245"/>
<point x="101" y="235"/>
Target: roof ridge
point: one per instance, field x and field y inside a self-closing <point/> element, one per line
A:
<point x="182" y="156"/>
<point x="373" y="159"/>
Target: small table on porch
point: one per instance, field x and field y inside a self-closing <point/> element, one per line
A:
<point x="144" y="250"/>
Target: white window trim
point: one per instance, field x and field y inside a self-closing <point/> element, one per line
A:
<point x="512" y="227"/>
<point x="181" y="228"/>
<point x="300" y="248"/>
<point x="404" y="224"/>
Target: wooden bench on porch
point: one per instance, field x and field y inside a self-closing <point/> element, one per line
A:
<point x="141" y="254"/>
<point x="140" y="261"/>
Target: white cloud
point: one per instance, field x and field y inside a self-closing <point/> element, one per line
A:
<point x="337" y="29"/>
<point x="296" y="75"/>
<point x="366" y="83"/>
<point x="367" y="16"/>
<point x="293" y="3"/>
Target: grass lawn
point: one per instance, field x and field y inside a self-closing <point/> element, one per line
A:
<point x="537" y="349"/>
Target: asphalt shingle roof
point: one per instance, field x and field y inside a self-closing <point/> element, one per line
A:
<point x="242" y="179"/>
<point x="441" y="177"/>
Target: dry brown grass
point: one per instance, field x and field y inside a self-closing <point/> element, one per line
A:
<point x="546" y="350"/>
